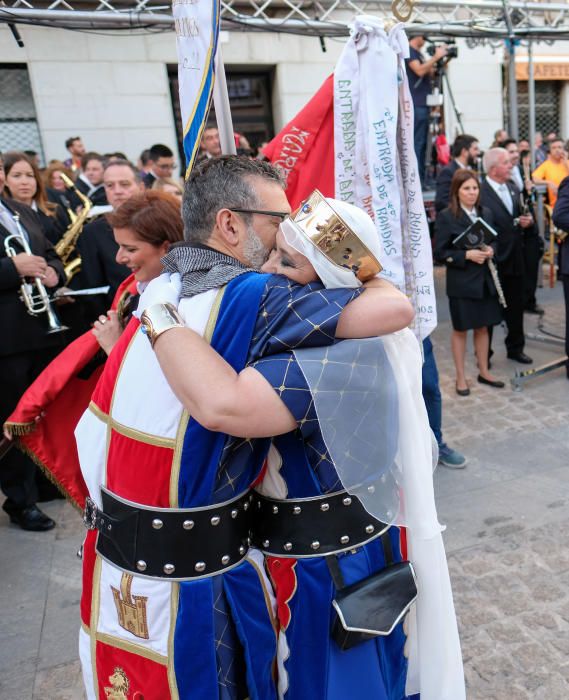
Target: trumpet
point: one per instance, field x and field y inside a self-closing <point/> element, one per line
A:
<point x="33" y="294"/>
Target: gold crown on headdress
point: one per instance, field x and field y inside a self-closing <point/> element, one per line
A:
<point x="326" y="229"/>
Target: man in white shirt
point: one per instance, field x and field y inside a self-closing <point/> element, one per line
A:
<point x="502" y="197"/>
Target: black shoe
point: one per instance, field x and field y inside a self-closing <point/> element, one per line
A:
<point x="537" y="310"/>
<point x="32" y="518"/>
<point x="520" y="357"/>
<point x="495" y="383"/>
<point x="462" y="392"/>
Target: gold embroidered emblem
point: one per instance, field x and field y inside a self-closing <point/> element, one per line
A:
<point x="131" y="610"/>
<point x="119" y="685"/>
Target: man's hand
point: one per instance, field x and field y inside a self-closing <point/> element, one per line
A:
<point x="440" y="52"/>
<point x="50" y="278"/>
<point x="165" y="289"/>
<point x="29" y="265"/>
<point x="526" y="220"/>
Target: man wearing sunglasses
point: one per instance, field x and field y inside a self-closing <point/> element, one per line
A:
<point x="169" y="528"/>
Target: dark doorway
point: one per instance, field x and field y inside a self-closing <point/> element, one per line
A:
<point x="250" y="98"/>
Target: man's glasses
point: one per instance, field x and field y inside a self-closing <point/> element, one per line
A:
<point x="280" y="214"/>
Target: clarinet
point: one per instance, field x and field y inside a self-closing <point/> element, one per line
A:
<point x="494" y="273"/>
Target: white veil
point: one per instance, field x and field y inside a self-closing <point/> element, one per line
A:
<point x="368" y="397"/>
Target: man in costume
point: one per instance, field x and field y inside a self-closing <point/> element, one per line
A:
<point x="173" y="596"/>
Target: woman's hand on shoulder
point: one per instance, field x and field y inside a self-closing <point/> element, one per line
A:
<point x="107" y="330"/>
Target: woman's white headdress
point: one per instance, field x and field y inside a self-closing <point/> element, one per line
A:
<point x="338" y="238"/>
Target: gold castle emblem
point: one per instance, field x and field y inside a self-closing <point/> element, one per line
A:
<point x="131" y="610"/>
<point x="119" y="687"/>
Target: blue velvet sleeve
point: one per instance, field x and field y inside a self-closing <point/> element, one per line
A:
<point x="292" y="316"/>
<point x="285" y="376"/>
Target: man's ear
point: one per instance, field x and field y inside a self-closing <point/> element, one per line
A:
<point x="228" y="224"/>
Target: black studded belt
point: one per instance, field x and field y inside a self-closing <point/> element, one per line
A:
<point x="169" y="543"/>
<point x="310" y="527"/>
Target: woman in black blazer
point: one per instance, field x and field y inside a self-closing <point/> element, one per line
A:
<point x="473" y="299"/>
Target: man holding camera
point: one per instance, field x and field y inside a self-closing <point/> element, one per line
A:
<point x="419" y="73"/>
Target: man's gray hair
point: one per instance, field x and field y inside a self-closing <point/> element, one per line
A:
<point x="221" y="183"/>
<point x="491" y="158"/>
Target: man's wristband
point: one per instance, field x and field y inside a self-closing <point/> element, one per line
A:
<point x="158" y="319"/>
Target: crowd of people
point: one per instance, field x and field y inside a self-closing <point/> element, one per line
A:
<point x="496" y="280"/>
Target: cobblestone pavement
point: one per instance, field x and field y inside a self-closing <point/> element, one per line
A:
<point x="507" y="531"/>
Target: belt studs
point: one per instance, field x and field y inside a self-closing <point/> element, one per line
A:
<point x="141" y="565"/>
<point x="215" y="520"/>
<point x="296" y="510"/>
<point x="234" y="513"/>
<point x="287" y="546"/>
<point x="246" y="505"/>
<point x="325" y="507"/>
<point x="344" y="539"/>
<point x="242" y="550"/>
<point x="225" y="559"/>
<point x="347" y="501"/>
<point x="369" y="529"/>
<point x="315" y="545"/>
<point x="169" y="569"/>
<point x="275" y="510"/>
<point x="266" y="544"/>
<point x="188" y="524"/>
<point x="157" y="523"/>
<point x="200" y="566"/>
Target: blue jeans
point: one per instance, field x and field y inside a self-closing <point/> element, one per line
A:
<point x="421" y="133"/>
<point x="431" y="391"/>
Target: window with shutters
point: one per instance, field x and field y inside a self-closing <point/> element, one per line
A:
<point x="18" y="122"/>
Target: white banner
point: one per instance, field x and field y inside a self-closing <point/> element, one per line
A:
<point x="375" y="162"/>
<point x="197" y="29"/>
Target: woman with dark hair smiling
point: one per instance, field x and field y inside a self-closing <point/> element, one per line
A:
<point x="472" y="294"/>
<point x="24" y="184"/>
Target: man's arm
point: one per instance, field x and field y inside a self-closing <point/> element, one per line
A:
<point x="422" y="69"/>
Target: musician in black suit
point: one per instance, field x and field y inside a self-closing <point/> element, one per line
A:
<point x="502" y="197"/>
<point x="561" y="220"/>
<point x="471" y="290"/>
<point x="25" y="347"/>
<point x="533" y="242"/>
<point x="97" y="246"/>
<point x="465" y="151"/>
<point x="161" y="162"/>
<point x="90" y="181"/>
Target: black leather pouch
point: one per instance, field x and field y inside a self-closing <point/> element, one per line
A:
<point x="374" y="606"/>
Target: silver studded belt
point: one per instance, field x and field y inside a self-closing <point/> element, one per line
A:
<point x="168" y="543"/>
<point x="310" y="527"/>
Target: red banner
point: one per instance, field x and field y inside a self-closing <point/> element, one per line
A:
<point x="304" y="149"/>
<point x="45" y="418"/>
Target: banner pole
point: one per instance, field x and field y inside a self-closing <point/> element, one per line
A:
<point x="222" y="108"/>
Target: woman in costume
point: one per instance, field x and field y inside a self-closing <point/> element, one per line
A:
<point x="472" y="294"/>
<point x="145" y="226"/>
<point x="350" y="420"/>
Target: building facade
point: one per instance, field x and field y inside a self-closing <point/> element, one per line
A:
<point x="119" y="93"/>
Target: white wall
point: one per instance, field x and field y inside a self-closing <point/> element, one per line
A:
<point x="476" y="82"/>
<point x="112" y="91"/>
